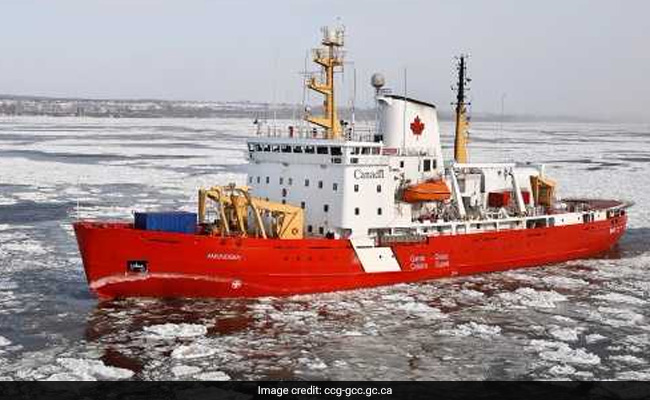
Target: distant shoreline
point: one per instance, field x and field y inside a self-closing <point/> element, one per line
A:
<point x="23" y="105"/>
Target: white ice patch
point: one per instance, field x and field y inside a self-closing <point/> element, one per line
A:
<point x="562" y="370"/>
<point x="213" y="376"/>
<point x="562" y="353"/>
<point x="472" y="329"/>
<point x="564" y="282"/>
<point x="192" y="351"/>
<point x="565" y="334"/>
<point x="171" y="331"/>
<point x="4" y="341"/>
<point x="184" y="370"/>
<point x="594" y="337"/>
<point x="93" y="369"/>
<point x="620" y="298"/>
<point x="628" y="359"/>
<point x="533" y="298"/>
<point x="422" y="310"/>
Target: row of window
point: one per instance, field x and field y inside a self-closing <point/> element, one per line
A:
<point x="309" y="149"/>
<point x="335" y="186"/>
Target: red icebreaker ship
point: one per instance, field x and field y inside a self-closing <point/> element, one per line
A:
<point x="328" y="207"/>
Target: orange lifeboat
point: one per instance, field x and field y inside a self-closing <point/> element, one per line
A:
<point x="433" y="190"/>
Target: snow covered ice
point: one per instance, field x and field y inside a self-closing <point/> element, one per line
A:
<point x="584" y="319"/>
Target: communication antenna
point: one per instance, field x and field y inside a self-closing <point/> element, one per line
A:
<point x="377" y="81"/>
<point x="354" y="100"/>
<point x="462" y="119"/>
<point x="404" y="114"/>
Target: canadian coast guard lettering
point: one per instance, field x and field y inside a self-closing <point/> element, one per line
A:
<point x="361" y="174"/>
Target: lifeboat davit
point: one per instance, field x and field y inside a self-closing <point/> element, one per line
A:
<point x="433" y="190"/>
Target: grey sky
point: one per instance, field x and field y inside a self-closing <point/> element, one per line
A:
<point x="572" y="57"/>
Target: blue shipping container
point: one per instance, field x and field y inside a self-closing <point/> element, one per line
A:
<point x="167" y="221"/>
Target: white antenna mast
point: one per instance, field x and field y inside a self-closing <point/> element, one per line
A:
<point x="404" y="116"/>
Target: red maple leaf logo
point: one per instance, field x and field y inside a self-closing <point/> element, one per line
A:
<point x="417" y="126"/>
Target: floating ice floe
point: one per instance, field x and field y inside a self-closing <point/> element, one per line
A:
<point x="185" y="370"/>
<point x="564" y="282"/>
<point x="634" y="375"/>
<point x="562" y="370"/>
<point x="472" y="294"/>
<point x="563" y="353"/>
<point x="422" y="310"/>
<point x="172" y="331"/>
<point x="533" y="298"/>
<point x="4" y="341"/>
<point x="619" y="298"/>
<point x="628" y="359"/>
<point x="472" y="329"/>
<point x="192" y="351"/>
<point x="594" y="337"/>
<point x="213" y="376"/>
<point x="85" y="369"/>
<point x="565" y="334"/>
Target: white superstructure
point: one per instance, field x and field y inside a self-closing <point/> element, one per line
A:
<point x="381" y="186"/>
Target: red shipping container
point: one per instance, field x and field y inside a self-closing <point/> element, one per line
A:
<point x="502" y="199"/>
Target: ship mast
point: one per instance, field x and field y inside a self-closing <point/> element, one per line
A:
<point x="329" y="57"/>
<point x="462" y="121"/>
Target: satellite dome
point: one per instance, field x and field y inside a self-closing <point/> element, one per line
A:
<point x="377" y="80"/>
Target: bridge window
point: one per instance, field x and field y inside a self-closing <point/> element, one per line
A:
<point x="290" y="182"/>
<point x="281" y="181"/>
<point x="251" y="147"/>
<point x="401" y="164"/>
<point x="320" y="184"/>
<point x="322" y="150"/>
<point x="267" y="147"/>
<point x="427" y="165"/>
<point x="302" y="205"/>
<point x="258" y="179"/>
<point x="356" y="211"/>
<point x="321" y="230"/>
<point x="284" y="192"/>
<point x="268" y="180"/>
<point x="286" y="148"/>
<point x="356" y="150"/>
<point x="309" y="149"/>
<point x="375" y="151"/>
<point x="250" y="179"/>
<point x="379" y="211"/>
<point x="310" y="228"/>
<point x="354" y="160"/>
<point x="356" y="188"/>
<point x="326" y="208"/>
<point x="258" y="147"/>
<point x="335" y="186"/>
<point x="275" y="148"/>
<point x="336" y="151"/>
<point x="297" y="149"/>
<point x="306" y="182"/>
<point x="378" y="188"/>
<point x="365" y="151"/>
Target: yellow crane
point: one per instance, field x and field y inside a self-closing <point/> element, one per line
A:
<point x="234" y="205"/>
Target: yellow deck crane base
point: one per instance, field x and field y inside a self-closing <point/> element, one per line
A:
<point x="240" y="214"/>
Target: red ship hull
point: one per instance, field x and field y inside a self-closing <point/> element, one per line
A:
<point x="187" y="265"/>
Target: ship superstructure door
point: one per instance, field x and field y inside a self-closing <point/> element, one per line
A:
<point x="374" y="259"/>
